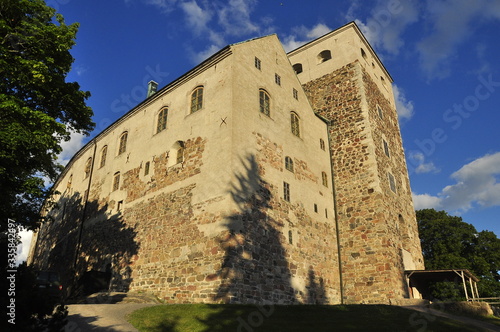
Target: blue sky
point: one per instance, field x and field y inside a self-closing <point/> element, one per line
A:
<point x="442" y="54"/>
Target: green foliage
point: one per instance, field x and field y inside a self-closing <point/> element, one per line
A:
<point x="38" y="108"/>
<point x="450" y="243"/>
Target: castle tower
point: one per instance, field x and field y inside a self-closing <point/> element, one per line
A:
<point x="348" y="85"/>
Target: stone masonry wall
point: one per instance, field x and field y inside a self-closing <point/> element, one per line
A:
<point x="372" y="266"/>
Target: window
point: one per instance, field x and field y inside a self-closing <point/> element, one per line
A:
<point x="315" y="207"/>
<point x="326" y="213"/>
<point x="324" y="179"/>
<point x="386" y="148"/>
<point x="324" y="56"/>
<point x="104" y="152"/>
<point x="383" y="82"/>
<point x="162" y="120"/>
<point x="392" y="182"/>
<point x="295" y="94"/>
<point x="70" y="181"/>
<point x="176" y="154"/>
<point x="286" y="191"/>
<point x="322" y="144"/>
<point x="116" y="181"/>
<point x="123" y="143"/>
<point x="257" y="63"/>
<point x="277" y="79"/>
<point x="146" y="168"/>
<point x="290" y="237"/>
<point x="289" y="164"/>
<point x="379" y="110"/>
<point x="363" y="53"/>
<point x="264" y="101"/>
<point x="180" y="155"/>
<point x="294" y="122"/>
<point x="197" y="99"/>
<point x="88" y="167"/>
<point x="120" y="206"/>
<point x="297" y="68"/>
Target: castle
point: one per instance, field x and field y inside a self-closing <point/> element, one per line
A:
<point x="256" y="177"/>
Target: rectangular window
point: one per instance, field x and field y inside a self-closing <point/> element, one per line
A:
<point x="315" y="207"/>
<point x="286" y="191"/>
<point x="257" y="63"/>
<point x="392" y="182"/>
<point x="386" y="149"/>
<point x="290" y="237"/>
<point x="277" y="79"/>
<point x="326" y="213"/>
<point x="295" y="94"/>
<point x="146" y="168"/>
<point x="380" y="115"/>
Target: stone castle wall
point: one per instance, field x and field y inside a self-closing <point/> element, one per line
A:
<point x="372" y="234"/>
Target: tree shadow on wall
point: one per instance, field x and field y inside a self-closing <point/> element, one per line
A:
<point x="255" y="269"/>
<point x="315" y="288"/>
<point x="91" y="256"/>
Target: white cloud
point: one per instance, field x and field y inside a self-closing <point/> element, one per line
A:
<point x="426" y="201"/>
<point x="452" y="23"/>
<point x="386" y="23"/>
<point x="302" y="35"/>
<point x="417" y="161"/>
<point x="476" y="183"/>
<point x="235" y="18"/>
<point x="197" y="18"/>
<point x="69" y="148"/>
<point x="404" y="107"/>
<point x="24" y="247"/>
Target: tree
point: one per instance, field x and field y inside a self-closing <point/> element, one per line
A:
<point x="450" y="243"/>
<point x="38" y="108"/>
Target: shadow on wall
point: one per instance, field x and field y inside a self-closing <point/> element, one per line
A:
<point x="91" y="257"/>
<point x="255" y="269"/>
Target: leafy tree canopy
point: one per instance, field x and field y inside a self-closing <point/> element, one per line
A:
<point x="38" y="108"/>
<point x="450" y="243"/>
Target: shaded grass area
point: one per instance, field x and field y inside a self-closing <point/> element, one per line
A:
<point x="249" y="318"/>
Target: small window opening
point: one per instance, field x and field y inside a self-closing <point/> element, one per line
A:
<point x="277" y="79"/>
<point x="324" y="56"/>
<point x="295" y="124"/>
<point x="257" y="63"/>
<point x="315" y="207"/>
<point x="146" y="168"/>
<point x="297" y="68"/>
<point x="363" y="53"/>
<point x="380" y="113"/>
<point x="120" y="206"/>
<point x="392" y="182"/>
<point x="290" y="237"/>
<point x="295" y="94"/>
<point x="116" y="181"/>
<point x="324" y="179"/>
<point x="326" y="213"/>
<point x="289" y="164"/>
<point x="322" y="144"/>
<point x="286" y="191"/>
<point x="386" y="148"/>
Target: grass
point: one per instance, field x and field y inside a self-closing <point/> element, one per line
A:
<point x="249" y="318"/>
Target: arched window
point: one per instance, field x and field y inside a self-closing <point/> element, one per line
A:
<point x="162" y="120"/>
<point x="322" y="144"/>
<point x="123" y="143"/>
<point x="116" y="181"/>
<point x="70" y="181"/>
<point x="104" y="152"/>
<point x="88" y="167"/>
<point x="324" y="56"/>
<point x="289" y="164"/>
<point x="176" y="154"/>
<point x="295" y="124"/>
<point x="264" y="102"/>
<point x="324" y="179"/>
<point x="197" y="99"/>
<point x="298" y="68"/>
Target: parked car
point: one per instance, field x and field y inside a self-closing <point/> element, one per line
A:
<point x="49" y="282"/>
